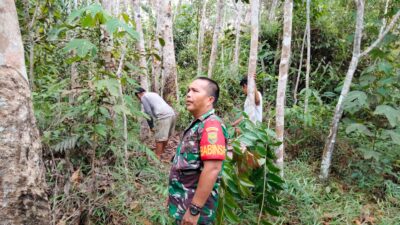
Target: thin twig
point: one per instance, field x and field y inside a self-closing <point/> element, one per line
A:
<point x="382" y="35"/>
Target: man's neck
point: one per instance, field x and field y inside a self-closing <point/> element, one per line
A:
<point x="199" y="114"/>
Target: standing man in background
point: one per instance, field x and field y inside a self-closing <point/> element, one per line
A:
<point x="161" y="114"/>
<point x="257" y="99"/>
<point x="196" y="170"/>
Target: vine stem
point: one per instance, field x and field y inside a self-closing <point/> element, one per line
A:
<point x="265" y="182"/>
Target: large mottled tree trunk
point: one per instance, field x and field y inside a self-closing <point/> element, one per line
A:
<point x="23" y="199"/>
<point x="200" y="41"/>
<point x="331" y="139"/>
<point x="254" y="7"/>
<point x="170" y="74"/>
<point x="283" y="77"/>
<point x="217" y="29"/>
<point x="236" y="54"/>
<point x="308" y="66"/>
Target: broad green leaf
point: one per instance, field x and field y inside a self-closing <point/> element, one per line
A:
<point x="245" y="182"/>
<point x="231" y="216"/>
<point x="88" y="21"/>
<point x="112" y="86"/>
<point x="395" y="136"/>
<point x="162" y="42"/>
<point x="119" y="109"/>
<point x="81" y="46"/>
<point x="275" y="178"/>
<point x="355" y="101"/>
<point x="357" y="127"/>
<point x="100" y="129"/>
<point x="113" y="24"/>
<point x="385" y="67"/>
<point x="369" y="153"/>
<point x="392" y="114"/>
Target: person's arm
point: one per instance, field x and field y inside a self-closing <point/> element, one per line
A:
<point x="256" y="96"/>
<point x="208" y="177"/>
<point x="212" y="153"/>
<point x="147" y="107"/>
<point x="234" y="124"/>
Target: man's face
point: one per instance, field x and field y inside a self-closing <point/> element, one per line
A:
<point x="197" y="97"/>
<point x="244" y="88"/>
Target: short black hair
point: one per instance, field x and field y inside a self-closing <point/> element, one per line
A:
<point x="243" y="81"/>
<point x="213" y="88"/>
<point x="139" y="90"/>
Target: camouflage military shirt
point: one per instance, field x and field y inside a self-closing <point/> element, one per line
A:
<point x="204" y="139"/>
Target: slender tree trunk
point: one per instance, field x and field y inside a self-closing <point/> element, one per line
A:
<point x="200" y="42"/>
<point x="331" y="139"/>
<point x="23" y="198"/>
<point x="106" y="42"/>
<point x="239" y="9"/>
<point x="140" y="45"/>
<point x="296" y="87"/>
<point x="74" y="71"/>
<point x="176" y="13"/>
<point x="330" y="142"/>
<point x="308" y="66"/>
<point x="283" y="77"/>
<point x="170" y="76"/>
<point x="217" y="29"/>
<point x="157" y="61"/>
<point x="272" y="11"/>
<point x="254" y="6"/>
<point x="122" y="102"/>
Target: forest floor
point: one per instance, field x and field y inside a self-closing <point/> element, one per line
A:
<point x="305" y="199"/>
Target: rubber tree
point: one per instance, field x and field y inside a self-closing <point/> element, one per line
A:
<point x="217" y="30"/>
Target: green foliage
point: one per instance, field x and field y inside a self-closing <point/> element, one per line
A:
<point x="242" y="172"/>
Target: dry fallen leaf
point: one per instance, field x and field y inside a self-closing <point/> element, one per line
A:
<point x="76" y="177"/>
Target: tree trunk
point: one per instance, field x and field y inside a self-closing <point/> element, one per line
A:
<point x="217" y="29"/>
<point x="140" y="45"/>
<point x="23" y="198"/>
<point x="308" y="66"/>
<point x="296" y="87"/>
<point x="283" y="76"/>
<point x="200" y="41"/>
<point x="169" y="75"/>
<point x="157" y="61"/>
<point x="254" y="6"/>
<point x="74" y="67"/>
<point x="331" y="139"/>
<point x="178" y="7"/>
<point x="272" y="10"/>
<point x="106" y="42"/>
<point x="239" y="9"/>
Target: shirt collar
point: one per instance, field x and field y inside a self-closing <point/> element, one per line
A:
<point x="207" y="114"/>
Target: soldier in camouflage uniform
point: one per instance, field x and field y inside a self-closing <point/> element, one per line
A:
<point x="196" y="170"/>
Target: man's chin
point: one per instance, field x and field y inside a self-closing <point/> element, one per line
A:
<point x="189" y="108"/>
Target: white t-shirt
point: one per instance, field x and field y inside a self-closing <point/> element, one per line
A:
<point x="258" y="111"/>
